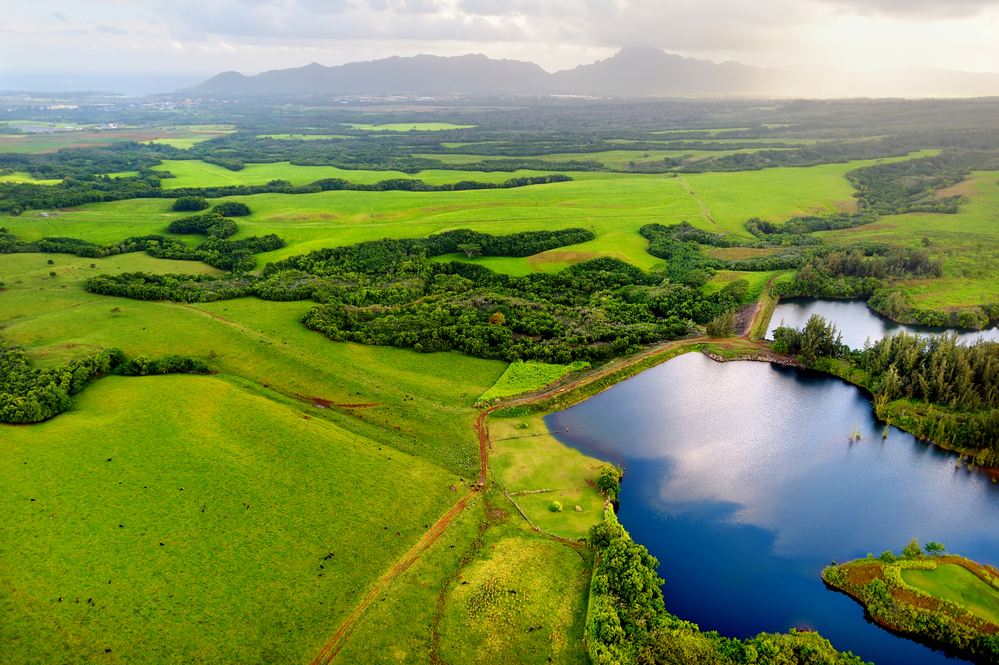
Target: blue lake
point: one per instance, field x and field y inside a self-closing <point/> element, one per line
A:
<point x="741" y="479"/>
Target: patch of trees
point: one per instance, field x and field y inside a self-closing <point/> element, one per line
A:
<point x="809" y="224"/>
<point x="230" y="163"/>
<point x="680" y="246"/>
<point x="190" y="204"/>
<point x="628" y="623"/>
<point x="216" y="251"/>
<point x="857" y="271"/>
<point x="819" y="338"/>
<point x="912" y="185"/>
<point x="31" y="395"/>
<point x="390" y="292"/>
<point x="211" y="224"/>
<point x="232" y="209"/>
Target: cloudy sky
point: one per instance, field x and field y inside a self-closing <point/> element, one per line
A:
<point x="144" y="45"/>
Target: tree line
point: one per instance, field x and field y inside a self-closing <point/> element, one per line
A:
<point x="960" y="381"/>
<point x="31" y="395"/>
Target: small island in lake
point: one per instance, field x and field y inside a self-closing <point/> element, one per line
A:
<point x="941" y="598"/>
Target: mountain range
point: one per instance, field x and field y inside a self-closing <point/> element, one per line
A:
<point x="633" y="71"/>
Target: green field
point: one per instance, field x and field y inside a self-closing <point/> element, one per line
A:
<point x="214" y="504"/>
<point x="407" y="127"/>
<point x="959" y="585"/>
<point x="195" y="173"/>
<point x="528" y="459"/>
<point x="303" y="137"/>
<point x="524" y="377"/>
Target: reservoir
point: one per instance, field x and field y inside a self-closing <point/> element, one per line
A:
<point x="742" y="480"/>
<point x="856" y="321"/>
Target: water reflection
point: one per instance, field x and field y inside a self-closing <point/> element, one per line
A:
<point x="855" y="320"/>
<point x="751" y="468"/>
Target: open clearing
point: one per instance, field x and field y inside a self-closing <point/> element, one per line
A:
<point x="959" y="585"/>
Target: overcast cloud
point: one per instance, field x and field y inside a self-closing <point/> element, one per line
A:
<point x="203" y="37"/>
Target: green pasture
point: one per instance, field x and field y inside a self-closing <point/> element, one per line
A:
<point x="959" y="585"/>
<point x="418" y="403"/>
<point x="967" y="242"/>
<point x="196" y="513"/>
<point x="21" y="176"/>
<point x="522" y="599"/>
<point x="613" y="205"/>
<point x="526" y="459"/>
<point x="524" y="377"/>
<point x="406" y="126"/>
<point x="195" y="173"/>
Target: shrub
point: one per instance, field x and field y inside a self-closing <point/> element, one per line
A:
<point x="555" y="507"/>
<point x="232" y="209"/>
<point x="190" y="204"/>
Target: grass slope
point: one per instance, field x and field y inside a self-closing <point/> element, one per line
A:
<point x="202" y="538"/>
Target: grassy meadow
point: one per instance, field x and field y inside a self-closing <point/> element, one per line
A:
<point x="959" y="585"/>
<point x="406" y="126"/>
<point x="613" y="205"/>
<point x="528" y="459"/>
<point x="524" y="377"/>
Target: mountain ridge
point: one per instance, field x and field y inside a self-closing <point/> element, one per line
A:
<point x="632" y="71"/>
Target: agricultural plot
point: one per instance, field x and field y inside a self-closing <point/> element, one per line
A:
<point x="181" y="137"/>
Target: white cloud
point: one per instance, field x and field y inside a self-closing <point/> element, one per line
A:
<point x="256" y="35"/>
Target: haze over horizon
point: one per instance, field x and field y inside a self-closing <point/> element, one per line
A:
<point x="155" y="46"/>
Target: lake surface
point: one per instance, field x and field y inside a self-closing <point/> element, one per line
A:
<point x="741" y="479"/>
<point x="855" y="320"/>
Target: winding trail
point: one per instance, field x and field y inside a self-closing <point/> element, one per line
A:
<point x="332" y="648"/>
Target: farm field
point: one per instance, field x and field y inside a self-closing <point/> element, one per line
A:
<point x="195" y="173"/>
<point x="614" y="205"/>
<point x="959" y="585"/>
